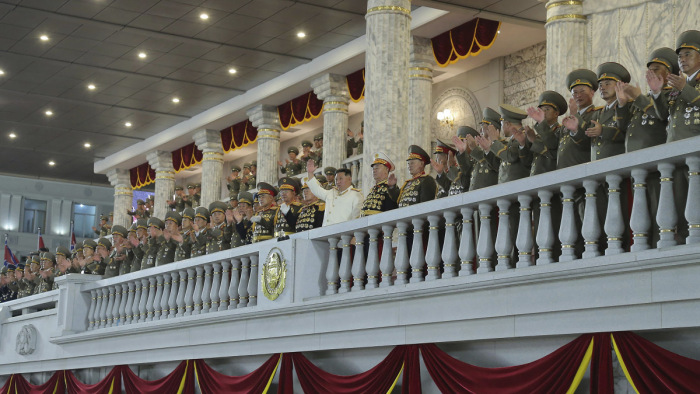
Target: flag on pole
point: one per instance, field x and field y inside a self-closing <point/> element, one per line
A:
<point x="72" y="237"/>
<point x="41" y="245"/>
<point x="10" y="258"/>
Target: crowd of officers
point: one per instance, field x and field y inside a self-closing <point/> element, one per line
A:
<point x="502" y="150"/>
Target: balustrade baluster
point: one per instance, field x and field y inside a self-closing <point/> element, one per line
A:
<point x="666" y="216"/>
<point x="401" y="263"/>
<point x="449" y="246"/>
<point x="150" y="301"/>
<point x="591" y="223"/>
<point x="98" y="305"/>
<point x="467" y="249"/>
<point x="387" y="260"/>
<point x="504" y="242"/>
<point x="524" y="240"/>
<point x="223" y="287"/>
<point x="417" y="258"/>
<point x="157" y="309"/>
<point x="568" y="231"/>
<point x="253" y="282"/>
<point x="123" y="303"/>
<point x="614" y="226"/>
<point x="143" y="301"/>
<point x="692" y="204"/>
<point x="172" y="300"/>
<point x="243" y="284"/>
<point x="112" y="305"/>
<point x="115" y="307"/>
<point x="165" y="297"/>
<point x="232" y="291"/>
<point x="484" y="246"/>
<point x="432" y="252"/>
<point x="197" y="292"/>
<point x="189" y="293"/>
<point x="181" y="293"/>
<point x="640" y="220"/>
<point x="332" y="270"/>
<point x="345" y="261"/>
<point x="545" y="232"/>
<point x="206" y="290"/>
<point x="130" y="304"/>
<point x="103" y="307"/>
<point x="373" y="259"/>
<point x="358" y="263"/>
<point x="91" y="311"/>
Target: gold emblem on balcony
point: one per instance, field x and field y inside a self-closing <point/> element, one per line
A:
<point x="274" y="274"/>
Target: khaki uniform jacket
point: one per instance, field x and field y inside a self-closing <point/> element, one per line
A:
<point x="544" y="157"/>
<point x="646" y="126"/>
<point x="572" y="149"/>
<point x="515" y="162"/>
<point x="484" y="169"/>
<point x="417" y="190"/>
<point x="683" y="108"/>
<point x="611" y="141"/>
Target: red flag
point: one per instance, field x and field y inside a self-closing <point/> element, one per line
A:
<point x="72" y="237"/>
<point x="41" y="245"/>
<point x="10" y="258"/>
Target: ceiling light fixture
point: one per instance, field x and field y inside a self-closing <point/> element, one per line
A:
<point x="176" y="100"/>
<point x="142" y="55"/>
<point x="44" y="37"/>
<point x="52" y="163"/>
<point x="498" y="32"/>
<point x="127" y="124"/>
<point x="13" y="135"/>
<point x="87" y="145"/>
<point x="232" y="71"/>
<point x="91" y="87"/>
<point x="203" y="16"/>
<point x="49" y="113"/>
<point x="2" y="72"/>
<point x="301" y="34"/>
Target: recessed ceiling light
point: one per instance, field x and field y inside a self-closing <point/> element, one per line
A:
<point x="203" y="16"/>
<point x="176" y="100"/>
<point x="499" y="32"/>
<point x="2" y="72"/>
<point x="49" y="113"/>
<point x="44" y="37"/>
<point x="91" y="87"/>
<point x="12" y="136"/>
<point x="301" y="34"/>
<point x="232" y="71"/>
<point x="87" y="145"/>
<point x="142" y="55"/>
<point x="127" y="124"/>
<point x="52" y="163"/>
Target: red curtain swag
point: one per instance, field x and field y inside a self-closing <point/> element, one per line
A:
<point x="356" y="85"/>
<point x="239" y="135"/>
<point x="142" y="175"/>
<point x="463" y="41"/>
<point x="180" y="381"/>
<point x="257" y="381"/>
<point x="186" y="157"/>
<point x="299" y="110"/>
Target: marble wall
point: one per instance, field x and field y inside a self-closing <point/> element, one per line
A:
<point x="524" y="76"/>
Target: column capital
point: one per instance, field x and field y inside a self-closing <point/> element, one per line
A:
<point x="119" y="177"/>
<point x="331" y="87"/>
<point x="567" y="10"/>
<point x="208" y="141"/>
<point x="264" y="117"/>
<point x="421" y="54"/>
<point x="161" y="161"/>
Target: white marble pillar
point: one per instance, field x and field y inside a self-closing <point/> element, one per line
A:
<point x="386" y="86"/>
<point x="566" y="42"/>
<point x="162" y="162"/>
<point x="123" y="195"/>
<point x="209" y="142"/>
<point x="266" y="119"/>
<point x="420" y="89"/>
<point x="333" y="90"/>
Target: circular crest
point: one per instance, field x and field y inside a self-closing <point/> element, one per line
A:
<point x="274" y="274"/>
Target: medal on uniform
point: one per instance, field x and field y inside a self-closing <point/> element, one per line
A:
<point x="686" y="115"/>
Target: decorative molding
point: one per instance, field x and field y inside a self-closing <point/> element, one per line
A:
<point x="26" y="340"/>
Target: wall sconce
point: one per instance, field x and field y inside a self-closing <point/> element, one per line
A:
<point x="446" y="118"/>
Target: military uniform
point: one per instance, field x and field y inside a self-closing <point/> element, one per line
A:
<point x="319" y="151"/>
<point x="443" y="179"/>
<point x="515" y="161"/>
<point x="484" y="171"/>
<point x="460" y="183"/>
<point x="178" y="204"/>
<point x="381" y="197"/>
<point x="199" y="246"/>
<point x="421" y="187"/>
<point x="219" y="237"/>
<point x="184" y="248"/>
<point x="140" y="212"/>
<point x="293" y="167"/>
<point x="329" y="171"/>
<point x="285" y="222"/>
<point x="103" y="230"/>
<point x="544" y="157"/>
<point x="264" y="220"/>
<point x="310" y="216"/>
<point x="340" y="206"/>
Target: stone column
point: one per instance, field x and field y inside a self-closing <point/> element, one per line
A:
<point x="209" y="142"/>
<point x="123" y="195"/>
<point x="566" y="42"/>
<point x="162" y="162"/>
<point x="332" y="89"/>
<point x="420" y="89"/>
<point x="386" y="85"/>
<point x="266" y="119"/>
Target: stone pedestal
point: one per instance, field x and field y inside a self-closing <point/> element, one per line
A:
<point x="420" y="88"/>
<point x="209" y="142"/>
<point x="162" y="162"/>
<point x="566" y="42"/>
<point x="332" y="89"/>
<point x="266" y="119"/>
<point x="123" y="195"/>
<point x="386" y="86"/>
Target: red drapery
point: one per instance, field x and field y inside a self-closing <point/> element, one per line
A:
<point x="239" y="135"/>
<point x="180" y="381"/>
<point x="463" y="41"/>
<point x="142" y="175"/>
<point x="112" y="383"/>
<point x="257" y="381"/>
<point x="18" y="384"/>
<point x="652" y="369"/>
<point x="186" y="157"/>
<point x="601" y="365"/>
<point x="356" y="85"/>
<point x="299" y="110"/>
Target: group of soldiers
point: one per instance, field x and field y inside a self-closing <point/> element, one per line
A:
<point x="295" y="163"/>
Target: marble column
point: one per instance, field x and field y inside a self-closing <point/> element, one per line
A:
<point x="162" y="162"/>
<point x="209" y="142"/>
<point x="266" y="119"/>
<point x="386" y="83"/>
<point x="123" y="195"/>
<point x="566" y="42"/>
<point x="333" y="90"/>
<point x="420" y="89"/>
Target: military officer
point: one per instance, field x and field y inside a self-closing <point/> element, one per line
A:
<point x="76" y="258"/>
<point x="219" y="235"/>
<point x="312" y="210"/>
<point x="574" y="143"/>
<point x="329" y="173"/>
<point x="138" y="239"/>
<point x="118" y="256"/>
<point x="484" y="167"/>
<point x="343" y="202"/>
<point x="245" y="177"/>
<point x="289" y="208"/>
<point x="461" y="182"/>
<point x="608" y="130"/>
<point x="63" y="263"/>
<point x="441" y="155"/>
<point x="199" y="235"/>
<point x="421" y="187"/>
<point x="88" y="254"/>
<point x="293" y="164"/>
<point x="178" y="204"/>
<point x="234" y="181"/>
<point x="306" y="152"/>
<point x="9" y="289"/>
<point x="25" y="286"/>
<point x="550" y="106"/>
<point x="166" y="245"/>
<point x="242" y="216"/>
<point x="100" y="258"/>
<point x="384" y="194"/>
<point x="515" y="161"/>
<point x="103" y="229"/>
<point x="264" y="220"/>
<point x="318" y="149"/>
<point x="46" y="273"/>
<point x="140" y="212"/>
<point x="183" y="236"/>
<point x="197" y="197"/>
<point x="253" y="175"/>
<point x="189" y="198"/>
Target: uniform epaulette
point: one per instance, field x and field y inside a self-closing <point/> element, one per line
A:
<point x="598" y="108"/>
<point x="321" y="205"/>
<point x="357" y="190"/>
<point x="666" y="88"/>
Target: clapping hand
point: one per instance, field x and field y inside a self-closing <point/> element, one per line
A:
<point x="594" y="131"/>
<point x="536" y="114"/>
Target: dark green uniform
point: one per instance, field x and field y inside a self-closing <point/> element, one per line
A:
<point x="292" y="168"/>
<point x="381" y="198"/>
<point x="264" y="226"/>
<point x="611" y="142"/>
<point x="114" y="263"/>
<point x="515" y="162"/>
<point x="484" y="169"/>
<point x="183" y="249"/>
<point x="166" y="251"/>
<point x="218" y="238"/>
<point x="150" y="254"/>
<point x="310" y="216"/>
<point x="684" y="110"/>
<point x="416" y="190"/>
<point x="544" y="158"/>
<point x="285" y="223"/>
